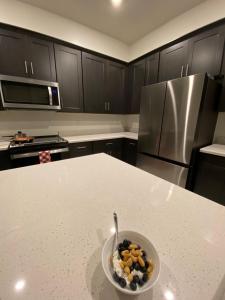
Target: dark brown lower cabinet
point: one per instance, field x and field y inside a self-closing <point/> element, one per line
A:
<point x="130" y="151"/>
<point x="5" y="161"/>
<point x="80" y="149"/>
<point x="112" y="147"/>
<point x="209" y="179"/>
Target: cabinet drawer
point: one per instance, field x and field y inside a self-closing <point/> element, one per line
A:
<point x="112" y="147"/>
<point x="80" y="149"/>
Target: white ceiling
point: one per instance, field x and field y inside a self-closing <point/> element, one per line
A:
<point x="128" y="23"/>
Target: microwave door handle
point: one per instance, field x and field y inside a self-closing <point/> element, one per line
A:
<point x="1" y="94"/>
<point x="50" y="95"/>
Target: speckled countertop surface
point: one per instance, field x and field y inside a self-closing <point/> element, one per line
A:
<point x="214" y="149"/>
<point x="54" y="219"/>
<point x="88" y="138"/>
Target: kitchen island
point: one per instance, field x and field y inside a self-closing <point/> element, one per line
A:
<point x="55" y="218"/>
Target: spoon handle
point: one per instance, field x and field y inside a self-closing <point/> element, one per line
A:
<point x="116" y="226"/>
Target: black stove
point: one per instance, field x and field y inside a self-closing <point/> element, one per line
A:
<point x="27" y="153"/>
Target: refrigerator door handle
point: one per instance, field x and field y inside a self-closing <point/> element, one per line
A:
<point x="182" y="71"/>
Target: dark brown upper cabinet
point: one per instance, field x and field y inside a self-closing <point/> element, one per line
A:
<point x="173" y="61"/>
<point x="94" y="80"/>
<point x="206" y="52"/>
<point x="42" y="61"/>
<point x="116" y="86"/>
<point x="152" y="69"/>
<point x="12" y="54"/>
<point x="136" y="82"/>
<point x="104" y="85"/>
<point x="69" y="77"/>
<point x="24" y="55"/>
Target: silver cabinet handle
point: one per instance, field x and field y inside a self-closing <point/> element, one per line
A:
<point x="32" y="69"/>
<point x="182" y="70"/>
<point x="81" y="147"/>
<point x="187" y="69"/>
<point x="108" y="144"/>
<point x="108" y="106"/>
<point x="132" y="144"/>
<point x="105" y="106"/>
<point x="25" y="64"/>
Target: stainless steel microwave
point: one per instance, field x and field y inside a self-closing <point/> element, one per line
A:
<point x="27" y="93"/>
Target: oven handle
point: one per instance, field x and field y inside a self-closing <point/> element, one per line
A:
<point x="33" y="154"/>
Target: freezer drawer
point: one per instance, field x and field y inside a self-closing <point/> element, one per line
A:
<point x="183" y="99"/>
<point x="151" y="114"/>
<point x="168" y="171"/>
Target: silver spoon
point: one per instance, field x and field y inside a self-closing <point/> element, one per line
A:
<point x="116" y="229"/>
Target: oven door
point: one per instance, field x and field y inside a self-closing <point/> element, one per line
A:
<point x="32" y="158"/>
<point x="26" y="93"/>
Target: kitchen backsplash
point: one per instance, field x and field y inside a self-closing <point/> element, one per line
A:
<point x="46" y="122"/>
<point x="219" y="136"/>
<point x="132" y="123"/>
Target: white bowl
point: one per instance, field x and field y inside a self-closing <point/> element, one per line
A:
<point x="145" y="244"/>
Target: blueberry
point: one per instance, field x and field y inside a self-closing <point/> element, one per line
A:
<point x="131" y="268"/>
<point x="141" y="282"/>
<point x="144" y="253"/>
<point x="120" y="246"/>
<point x="143" y="269"/>
<point x="116" y="277"/>
<point x="137" y="267"/>
<point x="133" y="286"/>
<point x="145" y="277"/>
<point x="126" y="244"/>
<point x="136" y="278"/>
<point x="122" y="282"/>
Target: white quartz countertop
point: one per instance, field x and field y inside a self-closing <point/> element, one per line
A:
<point x="102" y="136"/>
<point x="214" y="149"/>
<point x="88" y="138"/>
<point x="4" y="145"/>
<point x="55" y="217"/>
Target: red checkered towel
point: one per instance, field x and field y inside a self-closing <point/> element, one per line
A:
<point x="44" y="157"/>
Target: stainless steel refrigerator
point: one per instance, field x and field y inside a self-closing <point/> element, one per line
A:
<point x="176" y="118"/>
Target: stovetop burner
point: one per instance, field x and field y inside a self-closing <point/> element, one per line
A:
<point x="39" y="141"/>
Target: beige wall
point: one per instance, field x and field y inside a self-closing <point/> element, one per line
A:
<point x="201" y="15"/>
<point x="26" y="16"/>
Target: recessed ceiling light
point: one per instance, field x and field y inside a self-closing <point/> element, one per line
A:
<point x="116" y="3"/>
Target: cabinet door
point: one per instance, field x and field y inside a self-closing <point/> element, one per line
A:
<point x="94" y="75"/>
<point x="80" y="149"/>
<point x="42" y="62"/>
<point x="110" y="147"/>
<point x="152" y="69"/>
<point x="173" y="61"/>
<point x="130" y="151"/>
<point x="5" y="161"/>
<point x="116" y="87"/>
<point x="13" y="60"/>
<point x="137" y="81"/>
<point x="206" y="51"/>
<point x="69" y="77"/>
<point x="210" y="177"/>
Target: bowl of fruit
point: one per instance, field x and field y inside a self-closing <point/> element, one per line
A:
<point x="130" y="262"/>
